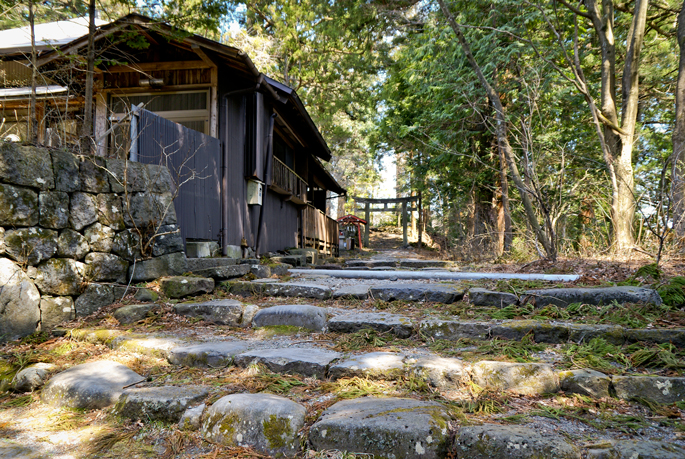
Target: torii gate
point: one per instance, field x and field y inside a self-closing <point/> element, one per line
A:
<point x="367" y="209"/>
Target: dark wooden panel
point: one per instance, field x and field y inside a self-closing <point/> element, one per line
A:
<point x="186" y="153"/>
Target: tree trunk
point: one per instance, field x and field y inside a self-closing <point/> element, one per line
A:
<point x="679" y="137"/>
<point x="619" y="138"/>
<point x="502" y="138"/>
<point x="87" y="133"/>
<point x="32" y="131"/>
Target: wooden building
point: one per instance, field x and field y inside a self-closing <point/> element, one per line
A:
<point x="266" y="139"/>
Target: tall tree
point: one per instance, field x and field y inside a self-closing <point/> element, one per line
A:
<point x="679" y="136"/>
<point x="503" y="139"/>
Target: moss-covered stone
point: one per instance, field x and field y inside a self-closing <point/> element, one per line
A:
<point x="492" y="441"/>
<point x="72" y="244"/>
<point x="60" y="276"/>
<point x="30" y="245"/>
<point x="182" y="286"/>
<point x="53" y="209"/>
<point x="265" y="422"/>
<point x="18" y="206"/>
<point x="520" y="378"/>
<point x="66" y="170"/>
<point x="26" y="165"/>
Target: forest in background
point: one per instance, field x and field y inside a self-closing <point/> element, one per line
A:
<point x="527" y="128"/>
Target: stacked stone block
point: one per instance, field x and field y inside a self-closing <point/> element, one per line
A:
<point x="69" y="229"/>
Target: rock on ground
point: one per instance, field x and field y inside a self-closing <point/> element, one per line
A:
<point x="267" y="423"/>
<point x="191" y="419"/>
<point x="89" y="386"/>
<point x="437" y="293"/>
<point x="385" y="427"/>
<point x="562" y="297"/>
<point x="585" y="382"/>
<point x="32" y="377"/>
<point x="374" y="364"/>
<point x="133" y="312"/>
<point x="212" y="354"/>
<point x="296" y="315"/>
<point x="441" y="372"/>
<point x="182" y="286"/>
<point x="19" y="302"/>
<point x="656" y="389"/>
<point x="222" y="312"/>
<point x="520" y="378"/>
<point x="492" y="441"/>
<point x="357" y="292"/>
<point x="637" y="449"/>
<point x="166" y="403"/>
<point x="380" y="321"/>
<point x="304" y="361"/>
<point x="483" y="297"/>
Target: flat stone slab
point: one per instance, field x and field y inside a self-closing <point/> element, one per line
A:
<point x="585" y="382"/>
<point x="268" y="423"/>
<point x="384" y="427"/>
<point x="659" y="389"/>
<point x="454" y="329"/>
<point x="562" y="297"/>
<point x="304" y="361"/>
<point x="440" y="372"/>
<point x="377" y="263"/>
<point x="221" y="273"/>
<point x="519" y="378"/>
<point x="222" y="312"/>
<point x="437" y="293"/>
<point x="638" y="449"/>
<point x="356" y="292"/>
<point x="675" y="336"/>
<point x="417" y="263"/>
<point x="213" y="354"/>
<point x="166" y="403"/>
<point x="182" y="286"/>
<point x="286" y="289"/>
<point x="380" y="321"/>
<point x="146" y="345"/>
<point x="493" y="441"/>
<point x="32" y="377"/>
<point x="133" y="313"/>
<point x="89" y="386"/>
<point x="296" y="315"/>
<point x="374" y="364"/>
<point x="483" y="297"/>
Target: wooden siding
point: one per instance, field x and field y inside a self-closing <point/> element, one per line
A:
<point x="186" y="152"/>
<point x="320" y="231"/>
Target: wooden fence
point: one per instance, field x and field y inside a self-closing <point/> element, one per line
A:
<point x="319" y="231"/>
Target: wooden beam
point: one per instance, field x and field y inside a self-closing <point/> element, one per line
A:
<point x="389" y="209"/>
<point x="213" y="91"/>
<point x="368" y="223"/>
<point x="384" y="201"/>
<point x="144" y="67"/>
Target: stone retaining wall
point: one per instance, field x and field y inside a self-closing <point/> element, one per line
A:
<point x="70" y="230"/>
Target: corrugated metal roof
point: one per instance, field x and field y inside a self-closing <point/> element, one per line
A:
<point x="23" y="93"/>
<point x="48" y="35"/>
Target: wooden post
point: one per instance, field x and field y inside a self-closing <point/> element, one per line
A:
<point x="420" y="208"/>
<point x="404" y="224"/>
<point x="367" y="213"/>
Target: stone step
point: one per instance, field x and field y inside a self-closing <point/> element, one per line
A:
<point x="384" y="427"/>
<point x="449" y="373"/>
<point x="296" y="290"/>
<point x="563" y="297"/>
<point x="166" y="403"/>
<point x="548" y="332"/>
<point x="294" y="315"/>
<point x="437" y="293"/>
<point x="304" y="361"/>
<point x="400" y="326"/>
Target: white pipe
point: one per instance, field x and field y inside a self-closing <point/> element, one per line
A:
<point x="441" y="275"/>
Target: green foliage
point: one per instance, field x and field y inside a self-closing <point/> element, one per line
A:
<point x="673" y="292"/>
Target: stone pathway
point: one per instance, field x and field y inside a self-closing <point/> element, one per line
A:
<point x="389" y="389"/>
